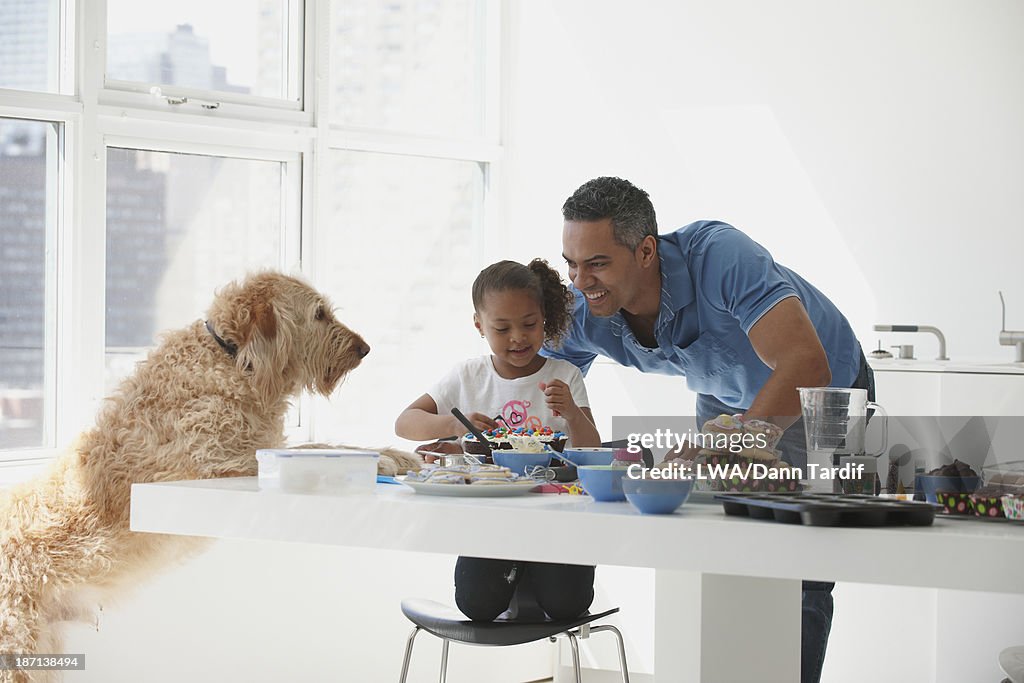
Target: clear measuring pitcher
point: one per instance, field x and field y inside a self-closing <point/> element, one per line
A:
<point x="835" y="421"/>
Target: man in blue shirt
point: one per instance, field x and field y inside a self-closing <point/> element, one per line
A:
<point x="708" y="303"/>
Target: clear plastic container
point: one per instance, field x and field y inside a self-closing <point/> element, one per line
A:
<point x="1004" y="478"/>
<point x="623" y="458"/>
<point x="306" y="470"/>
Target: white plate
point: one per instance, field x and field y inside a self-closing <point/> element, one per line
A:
<point x="471" y="490"/>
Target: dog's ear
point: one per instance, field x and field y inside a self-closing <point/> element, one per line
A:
<point x="264" y="319"/>
<point x="252" y="315"/>
<point x="266" y="352"/>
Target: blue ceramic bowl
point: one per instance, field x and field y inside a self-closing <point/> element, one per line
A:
<point x="602" y="482"/>
<point x="931" y="484"/>
<point x="520" y="462"/>
<point x="657" y="496"/>
<point x="589" y="456"/>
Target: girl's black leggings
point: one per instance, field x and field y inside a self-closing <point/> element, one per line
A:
<point x="485" y="588"/>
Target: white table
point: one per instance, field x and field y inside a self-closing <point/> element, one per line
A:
<point x="727" y="588"/>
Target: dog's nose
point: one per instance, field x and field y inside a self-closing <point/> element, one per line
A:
<point x="362" y="348"/>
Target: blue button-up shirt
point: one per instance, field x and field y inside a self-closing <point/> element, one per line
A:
<point x="716" y="283"/>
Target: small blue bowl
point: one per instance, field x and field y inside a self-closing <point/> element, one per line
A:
<point x="589" y="456"/>
<point x="602" y="482"/>
<point x="520" y="462"/>
<point x="657" y="496"/>
<point x="932" y="484"/>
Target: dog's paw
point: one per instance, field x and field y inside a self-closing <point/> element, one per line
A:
<point x="404" y="461"/>
<point x="392" y="461"/>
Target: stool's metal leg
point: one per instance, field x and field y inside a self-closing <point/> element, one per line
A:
<point x="622" y="648"/>
<point x="444" y="661"/>
<point x="408" y="654"/>
<point x="575" y="656"/>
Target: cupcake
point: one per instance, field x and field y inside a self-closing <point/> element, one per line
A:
<point x="772" y="476"/>
<point x="954" y="503"/>
<point x="504" y="438"/>
<point x="988" y="502"/>
<point x="723" y="424"/>
<point x="722" y="433"/>
<point x="498" y="438"/>
<point x="1013" y="507"/>
<point x="766" y="434"/>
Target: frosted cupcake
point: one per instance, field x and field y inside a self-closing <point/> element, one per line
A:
<point x="766" y="431"/>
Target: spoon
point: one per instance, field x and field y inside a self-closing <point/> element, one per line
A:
<point x="558" y="456"/>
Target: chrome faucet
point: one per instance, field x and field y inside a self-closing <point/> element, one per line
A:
<point x="918" y="328"/>
<point x="1011" y="337"/>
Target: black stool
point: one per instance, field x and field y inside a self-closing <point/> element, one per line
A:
<point x="450" y="625"/>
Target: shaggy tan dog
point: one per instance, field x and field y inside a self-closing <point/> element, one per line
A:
<point x="198" y="407"/>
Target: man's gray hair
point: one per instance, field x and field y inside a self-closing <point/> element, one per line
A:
<point x="628" y="207"/>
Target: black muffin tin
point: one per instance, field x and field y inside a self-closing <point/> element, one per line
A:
<point x="828" y="509"/>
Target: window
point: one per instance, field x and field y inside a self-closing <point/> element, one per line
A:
<point x="362" y="163"/>
<point x="418" y="257"/>
<point x="178" y="227"/>
<point x="28" y="188"/>
<point x="415" y="66"/>
<point x="228" y="46"/>
<point x="30" y="45"/>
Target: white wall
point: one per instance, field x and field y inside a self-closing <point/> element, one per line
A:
<point x="270" y="612"/>
<point x="875" y="147"/>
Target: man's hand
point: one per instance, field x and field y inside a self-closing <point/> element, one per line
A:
<point x="558" y="398"/>
<point x="685" y="451"/>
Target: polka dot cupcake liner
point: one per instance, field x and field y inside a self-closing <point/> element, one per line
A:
<point x="955" y="503"/>
<point x="987" y="506"/>
<point x="1013" y="507"/>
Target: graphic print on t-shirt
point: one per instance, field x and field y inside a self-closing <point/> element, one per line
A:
<point x="515" y="414"/>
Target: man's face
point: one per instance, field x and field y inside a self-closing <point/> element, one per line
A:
<point x="606" y="272"/>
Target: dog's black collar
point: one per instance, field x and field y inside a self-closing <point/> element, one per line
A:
<point x="230" y="348"/>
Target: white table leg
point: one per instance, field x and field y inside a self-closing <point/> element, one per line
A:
<point x="714" y="628"/>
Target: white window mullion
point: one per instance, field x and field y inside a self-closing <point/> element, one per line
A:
<point x="316" y="182"/>
<point x="56" y="195"/>
<point x="81" y="243"/>
<point x="205" y="147"/>
<point x="186" y="129"/>
<point x="495" y="240"/>
<point x="314" y="185"/>
<point x="390" y="143"/>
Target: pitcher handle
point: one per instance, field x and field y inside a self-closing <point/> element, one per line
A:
<point x="885" y="426"/>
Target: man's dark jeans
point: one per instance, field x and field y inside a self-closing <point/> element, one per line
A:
<point x="816" y="618"/>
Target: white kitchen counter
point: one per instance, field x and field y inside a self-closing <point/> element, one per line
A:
<point x="965" y="366"/>
<point x="709" y="567"/>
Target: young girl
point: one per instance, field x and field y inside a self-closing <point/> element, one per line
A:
<point x="517" y="309"/>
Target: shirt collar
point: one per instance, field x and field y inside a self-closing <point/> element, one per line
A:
<point x="676" y="283"/>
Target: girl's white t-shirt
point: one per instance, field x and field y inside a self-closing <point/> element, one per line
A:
<point x="473" y="386"/>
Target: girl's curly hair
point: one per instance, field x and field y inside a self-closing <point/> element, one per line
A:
<point x="540" y="280"/>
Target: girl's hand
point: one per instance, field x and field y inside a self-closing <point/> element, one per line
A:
<point x="479" y="420"/>
<point x="558" y="398"/>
